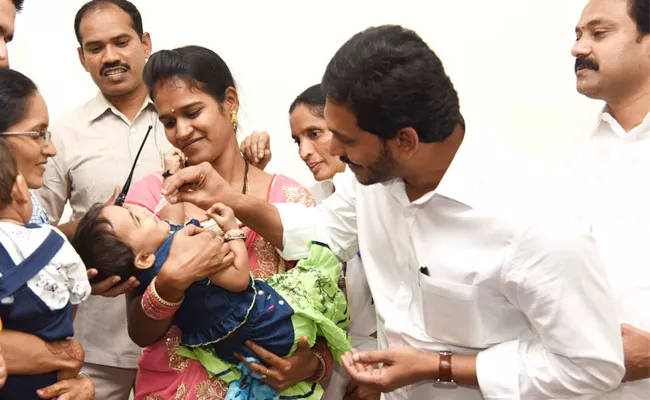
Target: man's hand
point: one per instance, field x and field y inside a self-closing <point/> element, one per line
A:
<point x="200" y="185"/>
<point x="402" y="366"/>
<point x="107" y="288"/>
<point x="257" y="149"/>
<point x="636" y="346"/>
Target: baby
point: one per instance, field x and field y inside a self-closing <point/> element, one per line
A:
<point x="218" y="315"/>
<point x="41" y="276"/>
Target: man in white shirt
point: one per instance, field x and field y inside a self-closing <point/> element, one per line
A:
<point x="481" y="291"/>
<point x="8" y="10"/>
<point x="612" y="53"/>
<point x="96" y="146"/>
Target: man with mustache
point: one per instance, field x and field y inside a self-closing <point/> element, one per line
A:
<point x="97" y="144"/>
<point x="486" y="285"/>
<point x="612" y="53"/>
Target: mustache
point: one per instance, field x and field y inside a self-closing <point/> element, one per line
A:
<point x="346" y="160"/>
<point x="113" y="65"/>
<point x="585" y="63"/>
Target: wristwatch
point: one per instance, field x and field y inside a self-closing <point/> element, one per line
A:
<point x="166" y="174"/>
<point x="444" y="371"/>
<point x="234" y="234"/>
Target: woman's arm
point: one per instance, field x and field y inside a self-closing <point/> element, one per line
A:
<point x="195" y="254"/>
<point x="144" y="331"/>
<point x="26" y="354"/>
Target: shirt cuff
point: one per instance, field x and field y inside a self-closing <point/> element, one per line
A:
<point x="298" y="230"/>
<point x="497" y="370"/>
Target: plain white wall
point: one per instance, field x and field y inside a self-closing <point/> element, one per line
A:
<point x="509" y="59"/>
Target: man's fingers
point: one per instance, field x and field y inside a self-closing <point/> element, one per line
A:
<point x="263" y="145"/>
<point x="192" y="175"/>
<point x="372" y="357"/>
<point x="125" y="287"/>
<point x="106" y="284"/>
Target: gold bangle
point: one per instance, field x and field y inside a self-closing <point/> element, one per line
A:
<point x="319" y="374"/>
<point x="160" y="299"/>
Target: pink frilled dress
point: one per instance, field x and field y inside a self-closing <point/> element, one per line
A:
<point x="162" y="373"/>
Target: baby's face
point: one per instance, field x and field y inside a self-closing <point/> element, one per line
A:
<point x="139" y="229"/>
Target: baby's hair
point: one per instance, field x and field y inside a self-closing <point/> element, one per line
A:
<point x="8" y="174"/>
<point x="100" y="248"/>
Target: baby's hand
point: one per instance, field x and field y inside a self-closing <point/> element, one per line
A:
<point x="174" y="160"/>
<point x="224" y="216"/>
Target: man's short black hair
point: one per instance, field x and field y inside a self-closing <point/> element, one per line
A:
<point x="390" y="79"/>
<point x="125" y="5"/>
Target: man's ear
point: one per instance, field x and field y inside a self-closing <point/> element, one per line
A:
<point x="144" y="261"/>
<point x="20" y="191"/>
<point x="82" y="58"/>
<point x="405" y="144"/>
<point x="146" y="42"/>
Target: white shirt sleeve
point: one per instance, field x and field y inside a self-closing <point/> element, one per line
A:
<point x="557" y="278"/>
<point x="334" y="222"/>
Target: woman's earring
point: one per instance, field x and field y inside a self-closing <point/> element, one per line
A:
<point x="234" y="120"/>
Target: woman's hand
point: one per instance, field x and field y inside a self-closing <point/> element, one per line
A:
<point x="195" y="254"/>
<point x="284" y="372"/>
<point x="257" y="149"/>
<point x="77" y="388"/>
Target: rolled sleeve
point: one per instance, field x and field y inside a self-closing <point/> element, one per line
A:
<point x="500" y="383"/>
<point x="558" y="280"/>
<point x="334" y="223"/>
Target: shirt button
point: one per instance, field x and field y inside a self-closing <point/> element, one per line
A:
<point x="132" y="130"/>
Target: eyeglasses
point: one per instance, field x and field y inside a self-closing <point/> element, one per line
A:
<point x="46" y="135"/>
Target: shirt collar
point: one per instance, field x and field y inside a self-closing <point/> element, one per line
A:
<point x="607" y="123"/>
<point x="100" y="104"/>
<point x="461" y="180"/>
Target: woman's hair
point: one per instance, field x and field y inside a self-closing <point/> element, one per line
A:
<point x="99" y="247"/>
<point x="8" y="174"/>
<point x="15" y="91"/>
<point x="199" y="67"/>
<point x="312" y="98"/>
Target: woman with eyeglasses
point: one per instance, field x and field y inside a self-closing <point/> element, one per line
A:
<point x="24" y="124"/>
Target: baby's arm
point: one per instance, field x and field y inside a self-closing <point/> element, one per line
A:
<point x="236" y="277"/>
<point x="173" y="161"/>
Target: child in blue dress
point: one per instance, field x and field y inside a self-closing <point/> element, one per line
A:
<point x="41" y="276"/>
<point x="218" y="315"/>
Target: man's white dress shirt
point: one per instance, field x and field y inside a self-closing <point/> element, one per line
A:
<point x="514" y="275"/>
<point x="613" y="173"/>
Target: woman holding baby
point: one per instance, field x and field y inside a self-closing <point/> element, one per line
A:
<point x="197" y="102"/>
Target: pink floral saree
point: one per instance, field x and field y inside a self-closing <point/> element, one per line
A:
<point x="162" y="373"/>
